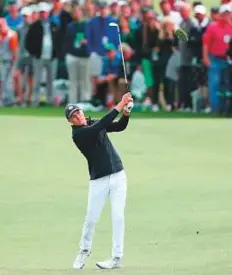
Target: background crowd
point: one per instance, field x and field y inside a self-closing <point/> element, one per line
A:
<point x="61" y="51"/>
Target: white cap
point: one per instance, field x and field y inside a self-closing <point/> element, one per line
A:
<point x="43" y="6"/>
<point x="122" y="3"/>
<point x="225" y="8"/>
<point x="26" y="11"/>
<point x="200" y="9"/>
<point x="111" y="2"/>
<point x="34" y="8"/>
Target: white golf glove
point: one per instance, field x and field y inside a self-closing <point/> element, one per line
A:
<point x="128" y="108"/>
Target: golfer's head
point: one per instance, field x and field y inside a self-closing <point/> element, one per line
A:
<point x="75" y="115"/>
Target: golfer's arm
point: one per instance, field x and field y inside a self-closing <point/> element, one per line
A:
<point x="102" y="123"/>
<point x="118" y="126"/>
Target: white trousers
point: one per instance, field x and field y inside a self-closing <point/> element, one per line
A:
<point x="113" y="186"/>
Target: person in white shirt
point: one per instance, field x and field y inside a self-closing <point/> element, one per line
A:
<point x="166" y="9"/>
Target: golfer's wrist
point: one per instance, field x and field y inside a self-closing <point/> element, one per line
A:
<point x="119" y="107"/>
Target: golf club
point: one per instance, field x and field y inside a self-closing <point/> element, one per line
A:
<point x="113" y="24"/>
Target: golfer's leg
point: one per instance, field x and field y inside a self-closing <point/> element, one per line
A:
<point x="98" y="192"/>
<point x="118" y="189"/>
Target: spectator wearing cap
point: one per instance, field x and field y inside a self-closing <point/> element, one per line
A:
<point x="185" y="80"/>
<point x="8" y="54"/>
<point x="14" y="19"/>
<point x="77" y="58"/>
<point x="214" y="14"/>
<point x="108" y="90"/>
<point x="147" y="35"/>
<point x="42" y="43"/>
<point x="215" y="45"/>
<point x="24" y="68"/>
<point x="100" y="33"/>
<point x="166" y="46"/>
<point x="35" y="13"/>
<point x="196" y="32"/>
<point x="166" y="9"/>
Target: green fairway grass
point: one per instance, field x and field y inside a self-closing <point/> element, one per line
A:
<point x="179" y="182"/>
<point x="59" y="112"/>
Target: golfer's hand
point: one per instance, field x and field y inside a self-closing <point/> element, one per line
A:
<point x="124" y="101"/>
<point x="128" y="108"/>
<point x="126" y="98"/>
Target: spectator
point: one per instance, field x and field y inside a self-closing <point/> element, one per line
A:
<point x="77" y="58"/>
<point x="108" y="80"/>
<point x="214" y="14"/>
<point x="24" y="68"/>
<point x="61" y="18"/>
<point x="8" y="53"/>
<point x="135" y="15"/>
<point x="138" y="86"/>
<point x="126" y="15"/>
<point x="166" y="9"/>
<point x="196" y="33"/>
<point x="35" y="13"/>
<point x="114" y="9"/>
<point x="42" y="42"/>
<point x="99" y="33"/>
<point x="215" y="45"/>
<point x="185" y="80"/>
<point x="147" y="35"/>
<point x="167" y="44"/>
<point x="90" y="10"/>
<point x="14" y="19"/>
<point x="172" y="77"/>
<point x="130" y="64"/>
<point x="127" y="34"/>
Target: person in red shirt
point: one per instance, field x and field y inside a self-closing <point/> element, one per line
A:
<point x="215" y="45"/>
<point x="8" y="54"/>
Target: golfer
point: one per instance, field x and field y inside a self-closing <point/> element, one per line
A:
<point x="107" y="176"/>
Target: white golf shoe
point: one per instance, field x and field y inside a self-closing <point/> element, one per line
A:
<point x="110" y="264"/>
<point x="81" y="258"/>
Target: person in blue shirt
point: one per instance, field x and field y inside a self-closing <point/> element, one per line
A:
<point x="108" y="88"/>
<point x="14" y="19"/>
<point x="99" y="33"/>
<point x="77" y="58"/>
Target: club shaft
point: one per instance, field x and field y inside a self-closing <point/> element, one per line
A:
<point x="123" y="61"/>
